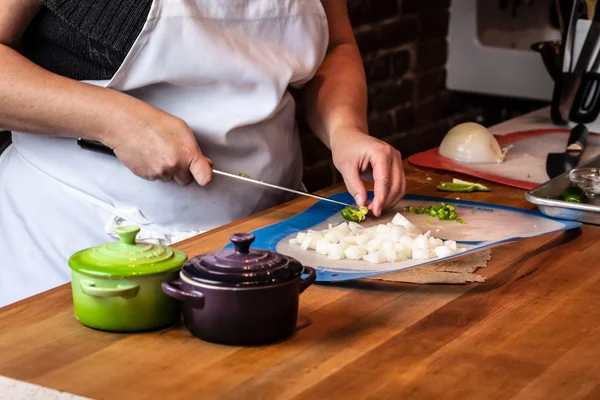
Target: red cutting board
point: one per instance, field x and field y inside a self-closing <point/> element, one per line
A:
<point x="525" y="163"/>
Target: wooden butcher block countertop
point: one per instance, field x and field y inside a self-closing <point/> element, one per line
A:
<point x="530" y="331"/>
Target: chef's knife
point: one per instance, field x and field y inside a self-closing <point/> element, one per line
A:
<point x="559" y="163"/>
<point x="101" y="148"/>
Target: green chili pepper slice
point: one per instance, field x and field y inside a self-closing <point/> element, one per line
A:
<point x="573" y="195"/>
<point x="353" y="215"/>
<point x="462" y="186"/>
<point x="441" y="211"/>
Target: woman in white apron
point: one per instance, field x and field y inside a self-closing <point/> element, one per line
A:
<point x="204" y="81"/>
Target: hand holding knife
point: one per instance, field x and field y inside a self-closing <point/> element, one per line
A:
<point x="101" y="148"/>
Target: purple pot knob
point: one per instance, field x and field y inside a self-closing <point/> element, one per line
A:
<point x="242" y="242"/>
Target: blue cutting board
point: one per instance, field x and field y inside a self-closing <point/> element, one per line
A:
<point x="488" y="225"/>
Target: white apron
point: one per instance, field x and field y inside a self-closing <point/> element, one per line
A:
<point x="224" y="67"/>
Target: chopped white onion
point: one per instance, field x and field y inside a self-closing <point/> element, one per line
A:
<point x="395" y="241"/>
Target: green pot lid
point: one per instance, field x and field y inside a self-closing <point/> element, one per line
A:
<point x="126" y="258"/>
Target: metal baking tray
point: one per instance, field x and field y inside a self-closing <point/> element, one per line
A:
<point x="545" y="197"/>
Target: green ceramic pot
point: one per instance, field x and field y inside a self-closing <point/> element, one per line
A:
<point x="117" y="286"/>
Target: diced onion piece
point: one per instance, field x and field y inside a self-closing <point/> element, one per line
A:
<point x="294" y="241"/>
<point x="390" y="256"/>
<point x="397" y="232"/>
<point x="388" y="245"/>
<point x="334" y="236"/>
<point x="407" y="241"/>
<point x="400" y="220"/>
<point x="306" y="242"/>
<point x="349" y="240"/>
<point x="420" y="243"/>
<point x="374" y="244"/>
<point x="413" y="229"/>
<point x="362" y="240"/>
<point x="354" y="226"/>
<point x="443" y="251"/>
<point x="420" y="254"/>
<point x="432" y="243"/>
<point x="300" y="237"/>
<point x="372" y="230"/>
<point x="383" y="229"/>
<point x="451" y="244"/>
<point x="335" y="251"/>
<point x="355" y="252"/>
<point x="322" y="246"/>
<point x="373" y="258"/>
<point x="343" y="229"/>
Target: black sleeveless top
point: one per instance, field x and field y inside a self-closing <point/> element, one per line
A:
<point x="84" y="39"/>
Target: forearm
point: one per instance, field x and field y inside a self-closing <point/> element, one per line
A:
<point x="34" y="100"/>
<point x="336" y="98"/>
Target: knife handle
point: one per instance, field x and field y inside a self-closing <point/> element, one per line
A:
<point x="578" y="138"/>
<point x="95" y="146"/>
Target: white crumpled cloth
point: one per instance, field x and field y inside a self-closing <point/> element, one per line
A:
<point x="149" y="232"/>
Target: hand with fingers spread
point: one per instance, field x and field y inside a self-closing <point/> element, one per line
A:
<point x="155" y="145"/>
<point x="353" y="153"/>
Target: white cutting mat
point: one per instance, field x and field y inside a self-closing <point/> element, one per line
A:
<point x="488" y="225"/>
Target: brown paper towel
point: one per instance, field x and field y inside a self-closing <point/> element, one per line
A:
<point x="459" y="270"/>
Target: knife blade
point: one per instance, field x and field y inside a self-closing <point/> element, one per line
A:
<point x="98" y="147"/>
<point x="257" y="182"/>
<point x="559" y="163"/>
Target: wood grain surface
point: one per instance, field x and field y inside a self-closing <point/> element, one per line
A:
<point x="531" y="331"/>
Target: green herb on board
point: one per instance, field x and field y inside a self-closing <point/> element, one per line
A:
<point x="443" y="212"/>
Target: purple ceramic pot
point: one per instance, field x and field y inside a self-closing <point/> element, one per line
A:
<point x="240" y="296"/>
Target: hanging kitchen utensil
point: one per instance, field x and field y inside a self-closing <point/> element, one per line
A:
<point x="572" y="81"/>
<point x="586" y="104"/>
<point x="559" y="163"/>
<point x="559" y="115"/>
<point x="591" y="8"/>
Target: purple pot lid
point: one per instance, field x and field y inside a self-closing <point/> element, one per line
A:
<point x="242" y="266"/>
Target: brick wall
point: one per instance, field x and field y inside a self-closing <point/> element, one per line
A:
<point x="404" y="49"/>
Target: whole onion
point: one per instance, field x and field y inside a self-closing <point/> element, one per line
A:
<point x="470" y="142"/>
